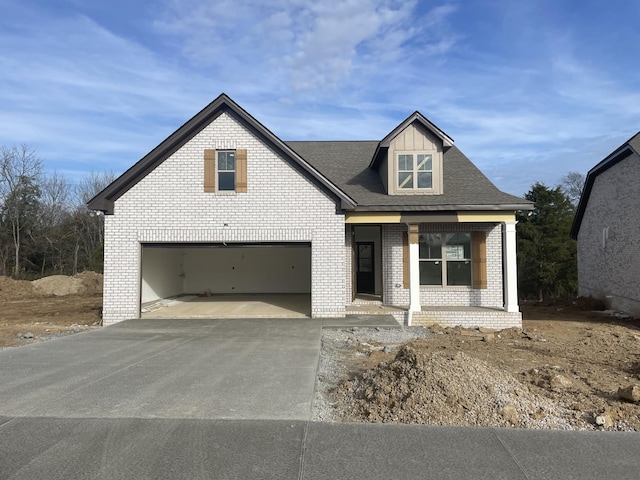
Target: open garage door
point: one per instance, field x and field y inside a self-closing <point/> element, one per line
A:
<point x="225" y="280"/>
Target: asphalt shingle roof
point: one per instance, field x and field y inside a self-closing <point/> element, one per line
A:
<point x="346" y="164"/>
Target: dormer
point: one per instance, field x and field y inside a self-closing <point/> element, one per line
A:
<point x="409" y="159"/>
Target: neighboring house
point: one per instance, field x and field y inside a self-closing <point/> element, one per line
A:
<point x="607" y="227"/>
<point x="224" y="206"/>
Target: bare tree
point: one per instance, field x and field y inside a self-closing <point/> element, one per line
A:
<point x="55" y="210"/>
<point x="20" y="172"/>
<point x="89" y="225"/>
<point x="572" y="184"/>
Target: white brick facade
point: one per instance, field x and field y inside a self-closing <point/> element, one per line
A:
<point x="162" y="201"/>
<point x="396" y="294"/>
<point x="169" y="205"/>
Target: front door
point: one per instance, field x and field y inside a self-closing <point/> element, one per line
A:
<point x="365" y="271"/>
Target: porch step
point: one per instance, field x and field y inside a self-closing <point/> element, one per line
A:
<point x="467" y="318"/>
<point x="361" y="321"/>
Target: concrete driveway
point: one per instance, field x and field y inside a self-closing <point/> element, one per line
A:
<point x="201" y="369"/>
<point x="230" y="399"/>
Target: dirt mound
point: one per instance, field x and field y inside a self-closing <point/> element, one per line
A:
<point x="589" y="303"/>
<point x="60" y="285"/>
<point x="444" y="389"/>
<point x="11" y="289"/>
<point x="91" y="281"/>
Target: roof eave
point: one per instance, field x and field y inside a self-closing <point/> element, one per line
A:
<point x="447" y="141"/>
<point x="617" y="156"/>
<point x="104" y="201"/>
<point x="445" y="207"/>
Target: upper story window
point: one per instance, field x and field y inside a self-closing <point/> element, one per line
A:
<point x="415" y="171"/>
<point x="226" y="170"/>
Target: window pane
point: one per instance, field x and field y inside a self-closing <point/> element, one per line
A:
<point x="366" y="265"/>
<point x="425" y="180"/>
<point x="430" y="273"/>
<point x="405" y="180"/>
<point x="226" y="160"/>
<point x="226" y="181"/>
<point x="430" y="246"/>
<point x="405" y="162"/>
<point x="459" y="273"/>
<point x="458" y="246"/>
<point x="425" y="162"/>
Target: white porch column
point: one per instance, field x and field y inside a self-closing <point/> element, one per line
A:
<point x="414" y="269"/>
<point x="510" y="267"/>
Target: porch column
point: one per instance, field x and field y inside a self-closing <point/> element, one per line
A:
<point x="510" y="267"/>
<point x="414" y="269"/>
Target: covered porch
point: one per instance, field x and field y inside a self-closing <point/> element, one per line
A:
<point x="453" y="269"/>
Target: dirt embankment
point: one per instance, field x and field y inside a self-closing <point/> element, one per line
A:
<point x="50" y="306"/>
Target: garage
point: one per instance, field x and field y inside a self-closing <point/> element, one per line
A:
<point x="217" y="280"/>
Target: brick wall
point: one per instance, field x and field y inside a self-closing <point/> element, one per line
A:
<point x="396" y="294"/>
<point x="169" y="205"/>
<point x="609" y="238"/>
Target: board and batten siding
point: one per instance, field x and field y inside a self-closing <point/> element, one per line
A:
<point x="414" y="139"/>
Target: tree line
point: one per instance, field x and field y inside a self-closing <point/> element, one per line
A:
<point x="45" y="226"/>
<point x="547" y="255"/>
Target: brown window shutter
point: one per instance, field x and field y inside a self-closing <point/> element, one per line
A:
<point x="209" y="170"/>
<point x="405" y="259"/>
<point x="241" y="170"/>
<point x="479" y="259"/>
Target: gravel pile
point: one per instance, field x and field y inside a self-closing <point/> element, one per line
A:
<point x="337" y="345"/>
<point x="420" y="386"/>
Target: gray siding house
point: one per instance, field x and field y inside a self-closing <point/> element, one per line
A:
<point x="406" y="224"/>
<point x="607" y="227"/>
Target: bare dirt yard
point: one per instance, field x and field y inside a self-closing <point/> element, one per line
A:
<point x="568" y="368"/>
<point x="49" y="307"/>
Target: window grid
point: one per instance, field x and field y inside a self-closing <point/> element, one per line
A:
<point x="416" y="174"/>
<point x="226" y="170"/>
<point x="445" y="259"/>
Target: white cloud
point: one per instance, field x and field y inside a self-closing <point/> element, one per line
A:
<point x="312" y="46"/>
<point x="520" y="98"/>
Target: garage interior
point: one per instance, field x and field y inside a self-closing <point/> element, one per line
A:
<point x="225" y="280"/>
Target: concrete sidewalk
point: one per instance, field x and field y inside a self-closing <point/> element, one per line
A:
<point x="62" y="449"/>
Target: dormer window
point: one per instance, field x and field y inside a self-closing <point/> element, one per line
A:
<point x="415" y="171"/>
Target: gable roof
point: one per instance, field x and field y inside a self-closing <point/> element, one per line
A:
<point x="104" y="200"/>
<point x="347" y="164"/>
<point x="346" y="170"/>
<point x="628" y="148"/>
<point x="415" y="117"/>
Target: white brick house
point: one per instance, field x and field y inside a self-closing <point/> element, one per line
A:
<point x="606" y="225"/>
<point x="224" y="206"/>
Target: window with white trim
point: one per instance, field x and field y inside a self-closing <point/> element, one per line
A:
<point x="445" y="259"/>
<point x="415" y="171"/>
<point x="226" y="163"/>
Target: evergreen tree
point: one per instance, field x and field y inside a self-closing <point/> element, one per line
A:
<point x="547" y="256"/>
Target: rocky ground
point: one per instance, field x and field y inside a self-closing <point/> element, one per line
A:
<point x="567" y="369"/>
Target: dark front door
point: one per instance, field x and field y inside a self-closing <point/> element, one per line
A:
<point x="365" y="272"/>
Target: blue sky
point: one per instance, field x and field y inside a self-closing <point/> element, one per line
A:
<point x="528" y="89"/>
